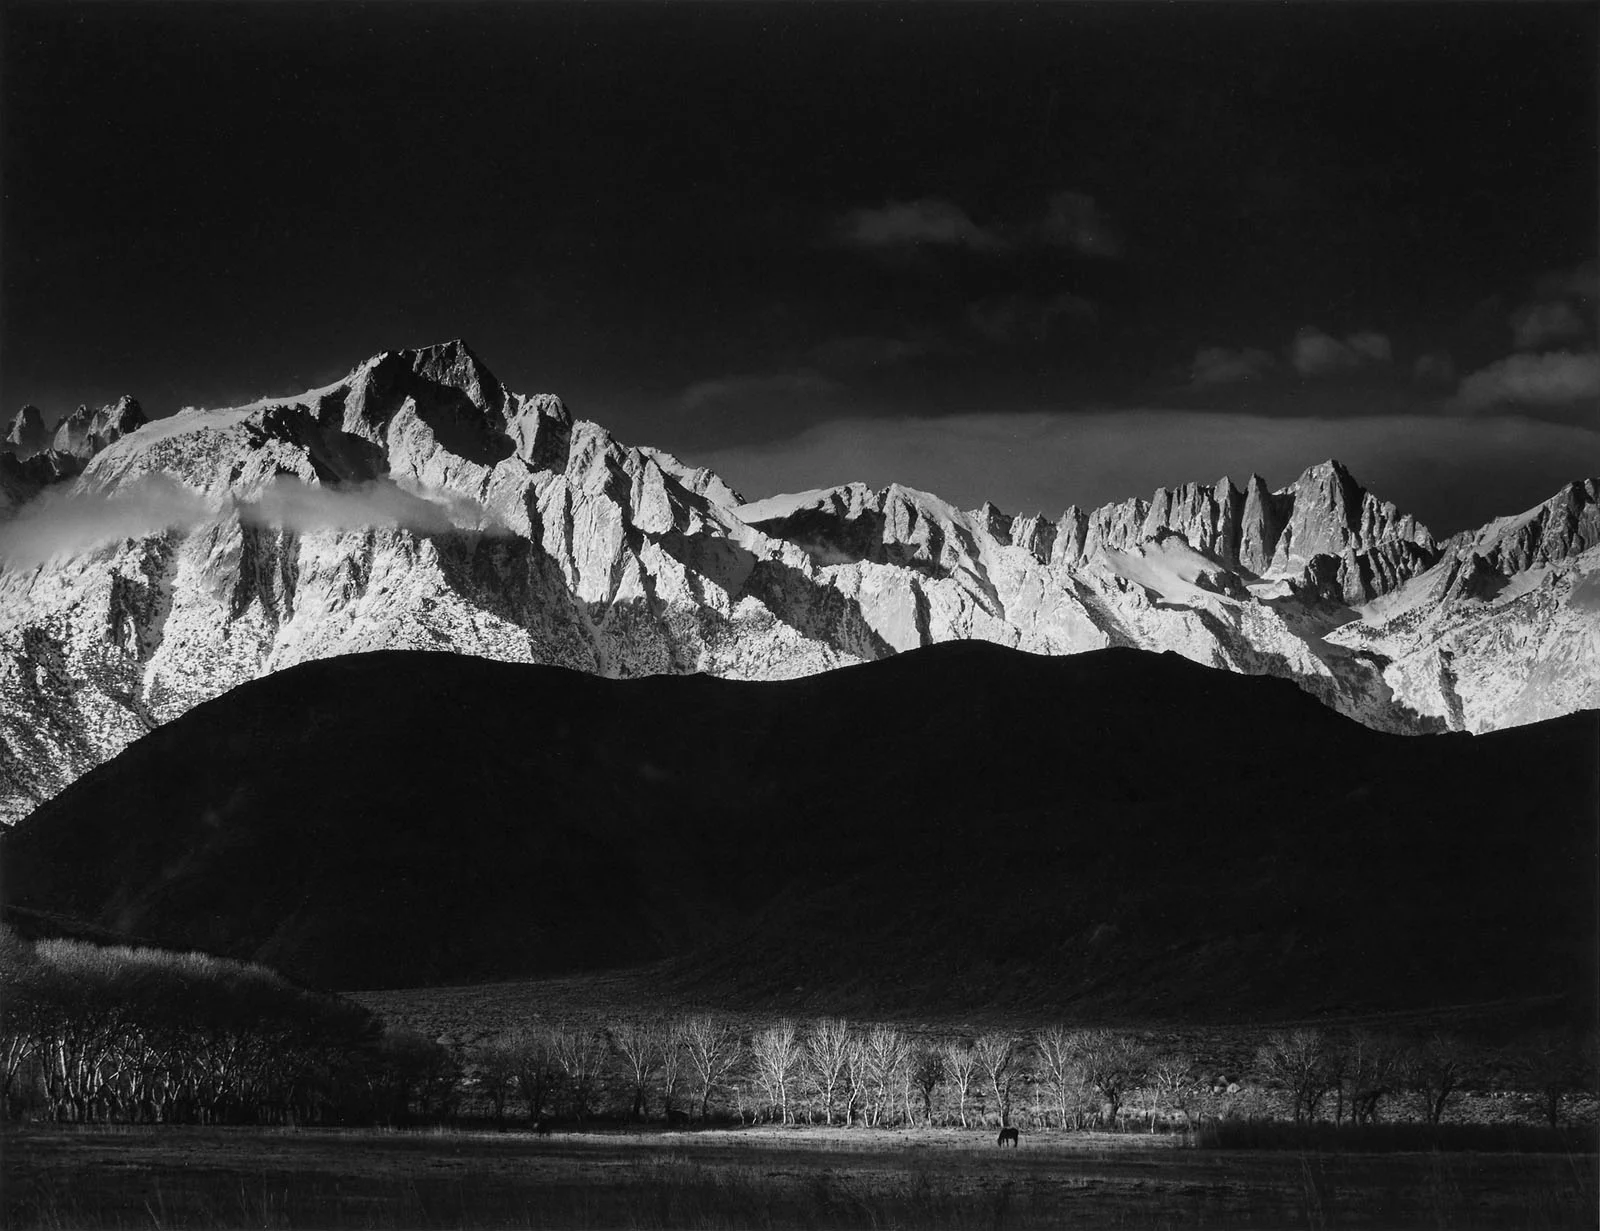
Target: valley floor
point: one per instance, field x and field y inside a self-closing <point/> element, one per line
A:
<point x="61" y="1177"/>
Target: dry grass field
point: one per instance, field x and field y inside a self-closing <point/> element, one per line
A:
<point x="812" y="1178"/>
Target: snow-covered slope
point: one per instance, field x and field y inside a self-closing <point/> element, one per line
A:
<point x="1505" y="628"/>
<point x="417" y="503"/>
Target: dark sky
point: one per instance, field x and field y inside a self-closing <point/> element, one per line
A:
<point x="1039" y="253"/>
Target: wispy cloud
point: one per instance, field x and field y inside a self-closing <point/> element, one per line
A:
<point x="1435" y="370"/>
<point x="65" y="523"/>
<point x="1315" y="353"/>
<point x="1564" y="382"/>
<point x="1535" y="326"/>
<point x="931" y="220"/>
<point x="763" y="389"/>
<point x="1070" y="220"/>
<point x="1312" y="354"/>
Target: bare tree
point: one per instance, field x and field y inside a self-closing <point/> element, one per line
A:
<point x="777" y="1052"/>
<point x="1433" y="1069"/>
<point x="961" y="1065"/>
<point x="857" y="1077"/>
<point x="1298" y="1063"/>
<point x="885" y="1053"/>
<point x="827" y="1051"/>
<point x="997" y="1061"/>
<point x="927" y="1074"/>
<point x="1551" y="1063"/>
<point x="1173" y="1076"/>
<point x="641" y="1045"/>
<point x="1367" y="1068"/>
<point x="537" y="1073"/>
<point x="494" y="1066"/>
<point x="674" y="1065"/>
<point x="712" y="1047"/>
<point x="580" y="1051"/>
<point x="1057" y="1066"/>
<point x="1111" y="1064"/>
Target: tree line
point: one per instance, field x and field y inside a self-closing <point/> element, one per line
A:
<point x="697" y="1068"/>
<point x="139" y="1035"/>
<point x="89" y="1033"/>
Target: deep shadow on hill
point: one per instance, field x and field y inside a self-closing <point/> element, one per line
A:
<point x="963" y="825"/>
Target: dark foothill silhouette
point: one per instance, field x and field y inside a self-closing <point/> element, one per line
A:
<point x="1008" y="1134"/>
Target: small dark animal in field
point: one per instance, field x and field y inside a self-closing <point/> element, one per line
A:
<point x="676" y="1118"/>
<point x="1008" y="1134"/>
<point x="543" y="1127"/>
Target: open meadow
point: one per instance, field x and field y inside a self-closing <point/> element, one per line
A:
<point x="69" y="1177"/>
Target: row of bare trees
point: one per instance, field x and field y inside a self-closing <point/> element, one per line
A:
<point x="95" y="1034"/>
<point x="832" y="1072"/>
<point x="1360" y="1072"/>
<point x="829" y="1072"/>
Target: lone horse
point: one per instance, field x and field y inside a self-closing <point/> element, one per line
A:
<point x="1008" y="1134"/>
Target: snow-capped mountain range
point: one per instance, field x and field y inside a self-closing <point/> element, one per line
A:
<point x="418" y="503"/>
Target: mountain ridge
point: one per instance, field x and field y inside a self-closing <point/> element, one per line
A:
<point x="961" y="824"/>
<point x="417" y="503"/>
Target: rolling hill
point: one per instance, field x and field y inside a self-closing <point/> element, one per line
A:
<point x="961" y="824"/>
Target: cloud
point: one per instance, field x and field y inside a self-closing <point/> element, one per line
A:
<point x="1452" y="472"/>
<point x="800" y="385"/>
<point x="1558" y="381"/>
<point x="931" y="220"/>
<point x="1315" y="353"/>
<point x="1074" y="221"/>
<point x="1436" y="370"/>
<point x="60" y="522"/>
<point x="1217" y="365"/>
<point x="1535" y="326"/>
<point x="1012" y="318"/>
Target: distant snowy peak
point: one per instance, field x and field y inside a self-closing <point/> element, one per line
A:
<point x="33" y="456"/>
<point x="80" y="434"/>
<point x="1323" y="533"/>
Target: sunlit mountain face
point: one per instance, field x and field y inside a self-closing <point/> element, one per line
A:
<point x="418" y="503"/>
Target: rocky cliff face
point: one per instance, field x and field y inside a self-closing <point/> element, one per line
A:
<point x="417" y="503"/>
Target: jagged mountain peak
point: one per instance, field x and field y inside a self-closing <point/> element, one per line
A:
<point x="559" y="544"/>
<point x="1565" y="525"/>
<point x="86" y="432"/>
<point x="1329" y="469"/>
<point x="456" y="365"/>
<point x="27" y="433"/>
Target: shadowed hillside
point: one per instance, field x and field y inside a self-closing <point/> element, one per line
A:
<point x="963" y="824"/>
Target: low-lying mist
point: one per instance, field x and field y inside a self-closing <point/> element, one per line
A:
<point x="72" y="522"/>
